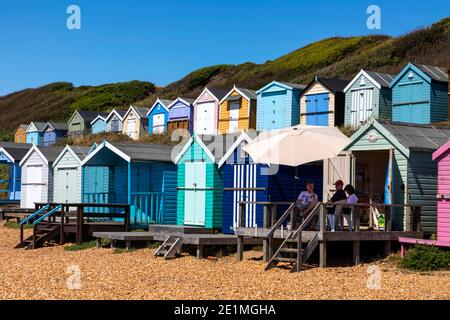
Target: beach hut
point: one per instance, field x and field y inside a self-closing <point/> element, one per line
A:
<point x="79" y="123"/>
<point x="54" y="131"/>
<point x="243" y="180"/>
<point x="322" y="103"/>
<point x="206" y="110"/>
<point x="237" y="111"/>
<point x="35" y="133"/>
<point x="114" y="121"/>
<point x="442" y="156"/>
<point x="135" y="122"/>
<point x="368" y="96"/>
<point x="278" y="105"/>
<point x="420" y="94"/>
<point x="180" y="115"/>
<point x="158" y="115"/>
<point x="199" y="183"/>
<point x="10" y="181"/>
<point x="37" y="175"/>
<point x="98" y="125"/>
<point x="67" y="174"/>
<point x="393" y="165"/>
<point x="20" y="136"/>
<point x="142" y="175"/>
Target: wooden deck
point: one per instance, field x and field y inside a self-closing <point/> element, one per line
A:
<point x="196" y="236"/>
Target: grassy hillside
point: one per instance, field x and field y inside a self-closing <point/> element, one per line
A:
<point x="334" y="57"/>
<point x="57" y="101"/>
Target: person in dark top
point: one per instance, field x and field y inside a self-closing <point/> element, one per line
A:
<point x="339" y="195"/>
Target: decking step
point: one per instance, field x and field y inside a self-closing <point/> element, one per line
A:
<point x="281" y="259"/>
<point x="293" y="250"/>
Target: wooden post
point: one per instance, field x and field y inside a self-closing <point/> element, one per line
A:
<point x="99" y="242"/>
<point x="266" y="242"/>
<point x="356" y="252"/>
<point x="299" y="251"/>
<point x="356" y="218"/>
<point x="240" y="240"/>
<point x="387" y="248"/>
<point x="127" y="218"/>
<point x="322" y="219"/>
<point x="128" y="245"/>
<point x="388" y="219"/>
<point x="61" y="231"/>
<point x="240" y="248"/>
<point x="199" y="251"/>
<point x="417" y="218"/>
<point x="408" y="219"/>
<point x="323" y="254"/>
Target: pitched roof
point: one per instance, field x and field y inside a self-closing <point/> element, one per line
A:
<point x="218" y="92"/>
<point x="16" y="151"/>
<point x="81" y="152"/>
<point x="166" y="102"/>
<point x="249" y="93"/>
<point x="435" y="73"/>
<point x="58" y="126"/>
<point x="417" y="137"/>
<point x="50" y="153"/>
<point x="23" y="126"/>
<point x="294" y="85"/>
<point x="384" y="79"/>
<point x="40" y="126"/>
<point x="335" y="85"/>
<point x="145" y="152"/>
<point x="91" y="115"/>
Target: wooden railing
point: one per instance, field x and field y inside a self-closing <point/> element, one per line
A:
<point x="82" y="215"/>
<point x="146" y="207"/>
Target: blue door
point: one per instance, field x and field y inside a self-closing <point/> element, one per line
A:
<point x="195" y="193"/>
<point x="274" y="109"/>
<point x="317" y="109"/>
<point x="411" y="108"/>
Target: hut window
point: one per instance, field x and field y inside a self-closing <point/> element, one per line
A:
<point x="362" y="82"/>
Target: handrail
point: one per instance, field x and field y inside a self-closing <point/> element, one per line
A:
<point x="281" y="220"/>
<point x="308" y="219"/>
<point x="51" y="212"/>
<point x="34" y="214"/>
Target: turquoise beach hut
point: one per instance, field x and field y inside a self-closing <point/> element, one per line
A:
<point x="142" y="175"/>
<point x="200" y="182"/>
<point x="419" y="94"/>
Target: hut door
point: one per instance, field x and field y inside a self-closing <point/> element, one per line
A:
<point x="244" y="184"/>
<point x="234" y="116"/>
<point x="361" y="106"/>
<point x="338" y="168"/>
<point x="35" y="185"/>
<point x="158" y="123"/>
<point x="205" y="118"/>
<point x="132" y="127"/>
<point x="195" y="193"/>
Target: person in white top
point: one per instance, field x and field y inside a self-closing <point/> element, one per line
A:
<point x="307" y="200"/>
<point x="347" y="211"/>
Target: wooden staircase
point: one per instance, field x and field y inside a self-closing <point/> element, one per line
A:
<point x="43" y="231"/>
<point x="291" y="250"/>
<point x="170" y="247"/>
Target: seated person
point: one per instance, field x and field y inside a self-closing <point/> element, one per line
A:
<point x="338" y="197"/>
<point x="347" y="211"/>
<point x="307" y="200"/>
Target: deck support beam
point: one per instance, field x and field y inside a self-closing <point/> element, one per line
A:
<point x="240" y="249"/>
<point x="356" y="252"/>
<point x="323" y="254"/>
<point x="387" y="248"/>
<point x="199" y="252"/>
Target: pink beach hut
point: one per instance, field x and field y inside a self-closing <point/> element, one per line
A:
<point x="442" y="155"/>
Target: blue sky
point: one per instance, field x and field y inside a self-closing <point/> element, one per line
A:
<point x="161" y="41"/>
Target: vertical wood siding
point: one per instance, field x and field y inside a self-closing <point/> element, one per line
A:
<point x="247" y="115"/>
<point x="317" y="88"/>
<point x="443" y="223"/>
<point x="68" y="161"/>
<point x="47" y="179"/>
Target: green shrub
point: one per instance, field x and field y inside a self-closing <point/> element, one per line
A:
<point x="426" y="258"/>
<point x="83" y="246"/>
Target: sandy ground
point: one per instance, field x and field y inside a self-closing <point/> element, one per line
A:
<point x="43" y="274"/>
